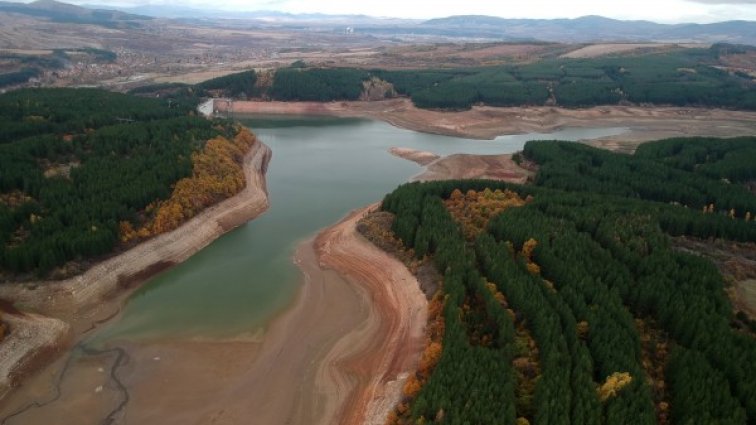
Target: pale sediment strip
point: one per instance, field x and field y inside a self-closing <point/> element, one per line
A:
<point x="422" y="158"/>
<point x="341" y="352"/>
<point x="31" y="340"/>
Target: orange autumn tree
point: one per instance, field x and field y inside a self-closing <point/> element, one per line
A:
<point x="527" y="252"/>
<point x="428" y="361"/>
<point x="614" y="384"/>
<point x="473" y="210"/>
<point x="217" y="174"/>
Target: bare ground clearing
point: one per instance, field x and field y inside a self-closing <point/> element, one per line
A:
<point x="737" y="263"/>
<point x="596" y="50"/>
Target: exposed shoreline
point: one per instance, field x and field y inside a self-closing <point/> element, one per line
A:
<point x="77" y="305"/>
<point x="339" y="354"/>
<point x="316" y="362"/>
<point x="487" y="122"/>
<point x="421" y="158"/>
<point x="389" y="352"/>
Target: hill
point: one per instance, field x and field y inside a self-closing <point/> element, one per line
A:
<point x="271" y="17"/>
<point x="591" y="29"/>
<point x="579" y="30"/>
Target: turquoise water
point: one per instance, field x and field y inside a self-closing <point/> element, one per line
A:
<point x="321" y="169"/>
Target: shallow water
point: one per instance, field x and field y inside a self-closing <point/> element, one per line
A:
<point x="321" y="169"/>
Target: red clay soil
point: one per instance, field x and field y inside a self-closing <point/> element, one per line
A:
<point x="392" y="350"/>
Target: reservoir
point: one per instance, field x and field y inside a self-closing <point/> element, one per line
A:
<point x="321" y="169"/>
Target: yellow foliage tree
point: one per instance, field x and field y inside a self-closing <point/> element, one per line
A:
<point x="497" y="294"/>
<point x="474" y="209"/>
<point x="430" y="358"/>
<point x="126" y="230"/>
<point x="614" y="383"/>
<point x="412" y="387"/>
<point x="527" y="251"/>
<point x="528" y="247"/>
<point x="582" y="329"/>
<point x="533" y="268"/>
<point x="217" y="174"/>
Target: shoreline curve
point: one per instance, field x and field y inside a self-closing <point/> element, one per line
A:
<point x="645" y="123"/>
<point x="77" y="305"/>
<point x="370" y="374"/>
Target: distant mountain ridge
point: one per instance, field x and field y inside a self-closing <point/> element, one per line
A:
<point x="185" y="12"/>
<point x="579" y="30"/>
<point x="591" y="28"/>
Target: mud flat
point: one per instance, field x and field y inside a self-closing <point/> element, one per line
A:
<point x="338" y="355"/>
<point x="466" y="166"/>
<point x="341" y="352"/>
<point x="416" y="156"/>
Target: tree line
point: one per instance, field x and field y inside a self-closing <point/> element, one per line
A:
<point x="686" y="77"/>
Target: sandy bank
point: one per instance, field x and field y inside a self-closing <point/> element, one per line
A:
<point x="465" y="166"/>
<point x="338" y="354"/>
<point x="416" y="156"/>
<point x="85" y="301"/>
<point x="486" y="122"/>
<point x="383" y="358"/>
<point x="33" y="340"/>
<point x="268" y="382"/>
<point x="341" y="352"/>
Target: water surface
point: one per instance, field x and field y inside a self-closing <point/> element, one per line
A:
<point x="322" y="168"/>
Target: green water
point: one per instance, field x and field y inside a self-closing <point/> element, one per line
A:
<point x="321" y="169"/>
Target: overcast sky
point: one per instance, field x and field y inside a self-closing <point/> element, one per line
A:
<point x="655" y="10"/>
